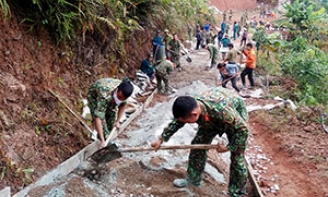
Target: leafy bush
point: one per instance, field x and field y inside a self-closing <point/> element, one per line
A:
<point x="300" y="57"/>
<point x="308" y="65"/>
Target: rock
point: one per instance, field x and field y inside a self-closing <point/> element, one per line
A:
<point x="263" y="183"/>
<point x="274" y="188"/>
<point x="309" y="129"/>
<point x="156" y="161"/>
<point x="28" y="153"/>
<point x="14" y="89"/>
<point x="261" y="157"/>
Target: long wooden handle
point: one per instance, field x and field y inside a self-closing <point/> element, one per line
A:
<point x="196" y="146"/>
<point x="72" y="112"/>
<point x="111" y="135"/>
<point x="226" y="80"/>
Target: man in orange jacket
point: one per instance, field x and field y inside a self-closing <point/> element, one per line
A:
<point x="250" y="63"/>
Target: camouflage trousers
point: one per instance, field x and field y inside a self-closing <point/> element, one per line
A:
<point x="108" y="122"/>
<point x="237" y="145"/>
<point x="176" y="59"/>
<point x="240" y="107"/>
<point x="165" y="79"/>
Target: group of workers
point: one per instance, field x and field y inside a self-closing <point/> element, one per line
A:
<point x="216" y="111"/>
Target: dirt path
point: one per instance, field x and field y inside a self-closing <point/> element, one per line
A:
<point x="279" y="170"/>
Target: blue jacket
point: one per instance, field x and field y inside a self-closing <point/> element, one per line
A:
<point x="225" y="42"/>
<point x="220" y="35"/>
<point x="223" y="26"/>
<point x="147" y="68"/>
<point x="207" y="27"/>
<point x="157" y="40"/>
<point x="231" y="69"/>
<point x="235" y="27"/>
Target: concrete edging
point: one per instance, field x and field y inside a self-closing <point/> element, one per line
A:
<point x="253" y="179"/>
<point x="73" y="162"/>
<point x="5" y="192"/>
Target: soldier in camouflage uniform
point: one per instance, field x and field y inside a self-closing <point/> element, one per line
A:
<point x="227" y="28"/>
<point x="174" y="47"/>
<point x="230" y="15"/>
<point x="163" y="68"/>
<point x="104" y="97"/>
<point x="214" y="54"/>
<point x="224" y="16"/>
<point x="218" y="111"/>
<point x="166" y="40"/>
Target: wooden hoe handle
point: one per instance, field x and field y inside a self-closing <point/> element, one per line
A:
<point x="174" y="147"/>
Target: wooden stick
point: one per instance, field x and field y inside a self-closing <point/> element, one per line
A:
<point x="174" y="147"/>
<point x="111" y="135"/>
<point x="72" y="112"/>
<point x="226" y="80"/>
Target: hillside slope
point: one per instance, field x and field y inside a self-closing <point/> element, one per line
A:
<point x="36" y="132"/>
<point x="233" y="4"/>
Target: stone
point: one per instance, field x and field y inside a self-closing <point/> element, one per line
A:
<point x="28" y="153"/>
<point x="309" y="129"/>
<point x="276" y="187"/>
<point x="263" y="183"/>
<point x="156" y="161"/>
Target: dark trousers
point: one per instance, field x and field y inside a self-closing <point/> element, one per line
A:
<point x="233" y="82"/>
<point x="198" y="44"/>
<point x="243" y="42"/>
<point x="249" y="72"/>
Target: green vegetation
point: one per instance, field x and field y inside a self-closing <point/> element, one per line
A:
<point x="300" y="58"/>
<point x="108" y="24"/>
<point x="303" y="56"/>
<point x="5" y="9"/>
<point x="67" y="19"/>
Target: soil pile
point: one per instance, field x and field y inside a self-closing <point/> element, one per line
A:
<point x="225" y="5"/>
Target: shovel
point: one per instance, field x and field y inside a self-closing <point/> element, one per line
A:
<point x="111" y="151"/>
<point x="188" y="59"/>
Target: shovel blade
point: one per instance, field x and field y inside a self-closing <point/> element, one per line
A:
<point x="106" y="154"/>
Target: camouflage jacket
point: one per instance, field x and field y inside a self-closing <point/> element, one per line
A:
<point x="214" y="52"/>
<point x="218" y="113"/>
<point x="164" y="68"/>
<point x="100" y="98"/>
<point x="175" y="46"/>
<point x="166" y="40"/>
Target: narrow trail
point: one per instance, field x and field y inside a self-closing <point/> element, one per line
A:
<point x="150" y="174"/>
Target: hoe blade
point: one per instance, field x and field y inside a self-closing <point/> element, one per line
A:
<point x="106" y="154"/>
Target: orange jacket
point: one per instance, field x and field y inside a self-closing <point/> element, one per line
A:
<point x="250" y="58"/>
